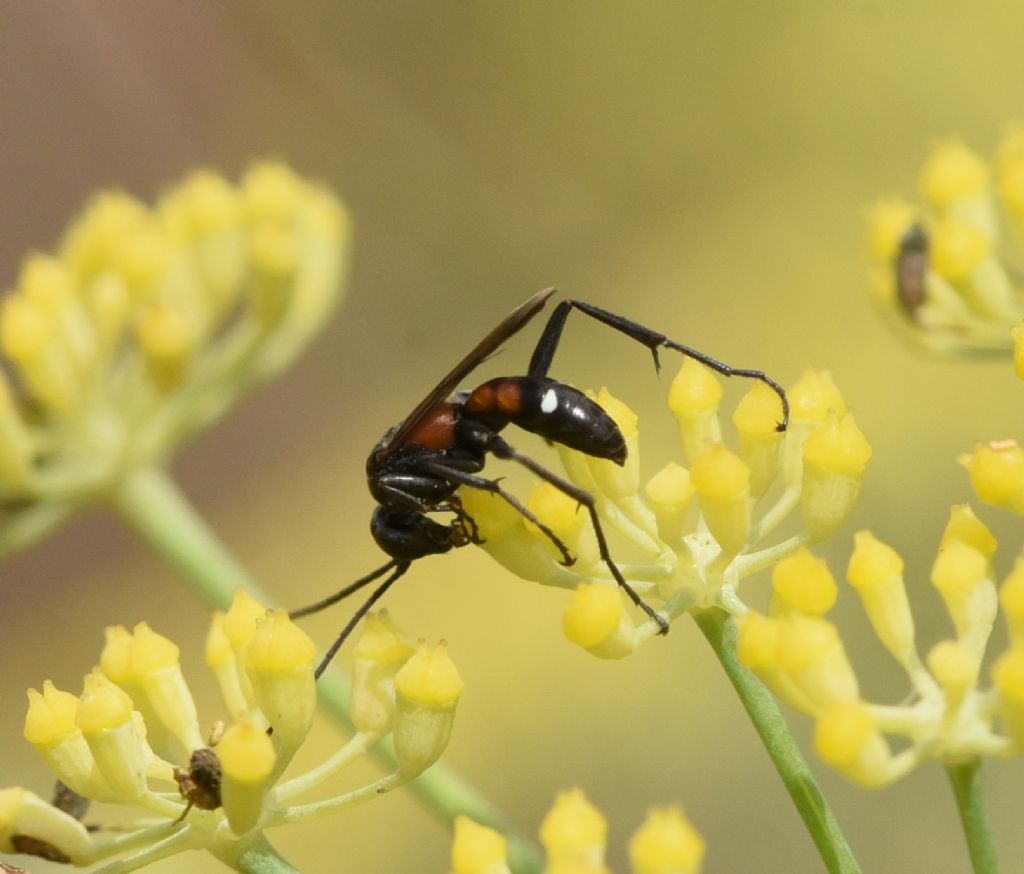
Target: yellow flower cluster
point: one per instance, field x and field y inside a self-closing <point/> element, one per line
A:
<point x="698" y="529"/>
<point x="147" y="324"/>
<point x="940" y="272"/>
<point x="799" y="654"/>
<point x="119" y="741"/>
<point x="574" y="836"/>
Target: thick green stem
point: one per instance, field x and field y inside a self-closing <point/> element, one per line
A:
<point x="259" y="857"/>
<point x="156" y="510"/>
<point x="761" y="707"/>
<point x="966" y="781"/>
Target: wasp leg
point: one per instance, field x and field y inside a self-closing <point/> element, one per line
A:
<point x="344" y="593"/>
<point x="494" y="487"/>
<point x="501" y="449"/>
<point x="400" y="567"/>
<point x="540" y="362"/>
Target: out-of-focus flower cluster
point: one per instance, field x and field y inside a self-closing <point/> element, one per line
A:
<point x="948" y="714"/>
<point x="945" y="274"/>
<point x="698" y="529"/>
<point x="574" y="834"/>
<point x="132" y="737"/>
<point x="147" y="324"/>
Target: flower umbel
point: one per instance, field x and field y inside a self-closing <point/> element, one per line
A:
<point x="695" y="531"/>
<point x="941" y="272"/>
<point x="148" y="324"/>
<point x="574" y="836"/>
<point x="133" y="738"/>
<point x="948" y="715"/>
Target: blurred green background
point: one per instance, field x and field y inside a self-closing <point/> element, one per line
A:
<point x="703" y="168"/>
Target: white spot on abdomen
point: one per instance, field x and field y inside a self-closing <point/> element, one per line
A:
<point x="549" y="403"/>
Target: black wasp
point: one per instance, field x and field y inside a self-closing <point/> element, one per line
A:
<point x="420" y="463"/>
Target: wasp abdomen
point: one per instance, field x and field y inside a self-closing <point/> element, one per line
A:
<point x="551" y="409"/>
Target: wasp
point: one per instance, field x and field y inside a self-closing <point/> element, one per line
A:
<point x="415" y="470"/>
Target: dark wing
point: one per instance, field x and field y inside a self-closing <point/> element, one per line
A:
<point x="510" y="325"/>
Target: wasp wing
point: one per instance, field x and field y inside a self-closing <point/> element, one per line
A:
<point x="509" y="326"/>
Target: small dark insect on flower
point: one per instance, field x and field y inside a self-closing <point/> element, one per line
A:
<point x="911" y="268"/>
<point x="200" y="784"/>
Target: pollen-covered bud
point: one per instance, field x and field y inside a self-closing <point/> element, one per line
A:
<point x="997" y="473"/>
<point x="574" y="831"/>
<point x="377" y="656"/>
<point x="835" y="456"/>
<point x="666" y="843"/>
<point x="618" y="482"/>
<point x="693" y="398"/>
<point x="30" y="826"/>
<point x="1008" y="678"/>
<point x="802" y="583"/>
<point x="477" y="849"/>
<point x="155" y="667"/>
<point x="961" y="575"/>
<point x="279" y="662"/>
<point x="722" y="481"/>
<point x="845" y="737"/>
<point x="428" y="687"/>
<point x="756" y="417"/>
<point x="247" y="762"/>
<point x="670" y="494"/>
<point x="50" y="728"/>
<point x="876" y="572"/>
<point x="105" y="717"/>
<point x="1011" y="599"/>
<point x="596" y="620"/>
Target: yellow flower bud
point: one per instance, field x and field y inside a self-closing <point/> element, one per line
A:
<point x="803" y="583"/>
<point x="666" y="843"/>
<point x="279" y="662"/>
<point x="876" y="572"/>
<point x="247" y="761"/>
<point x="477" y="849"/>
<point x="1011" y="599"/>
<point x="835" y="455"/>
<point x="888" y="221"/>
<point x="759" y="647"/>
<point x="955" y="669"/>
<point x="104" y="715"/>
<point x="960" y="573"/>
<point x="958" y="249"/>
<point x="952" y="172"/>
<point x="618" y="482"/>
<point x="722" y="481"/>
<point x="377" y="656"/>
<point x="693" y="398"/>
<point x="428" y="687"/>
<point x="166" y="344"/>
<point x="224" y="663"/>
<point x="997" y="473"/>
<point x="846" y="738"/>
<point x="1008" y="678"/>
<point x="596" y="620"/>
<point x="813" y="396"/>
<point x="574" y="830"/>
<point x="567" y="520"/>
<point x="812" y="656"/>
<point x="756" y="418"/>
<point x="670" y="493"/>
<point x="965" y="526"/>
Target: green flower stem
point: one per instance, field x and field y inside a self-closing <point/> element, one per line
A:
<point x="966" y="781"/>
<point x="154" y="507"/>
<point x="259" y="857"/>
<point x="720" y="631"/>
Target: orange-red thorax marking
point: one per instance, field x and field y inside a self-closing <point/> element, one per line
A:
<point x="437" y="428"/>
<point x="501" y="395"/>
